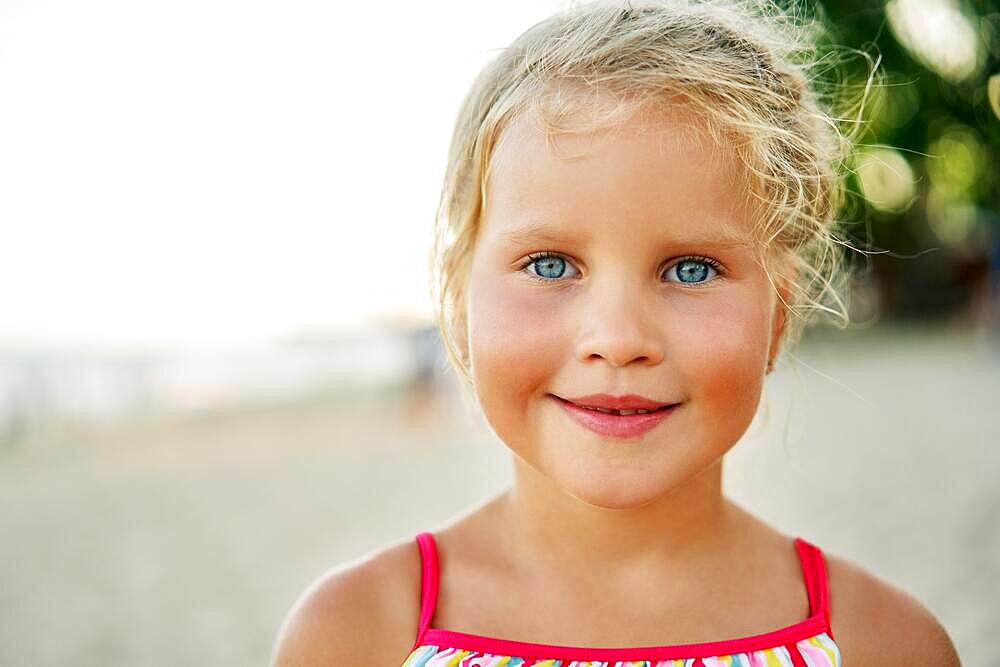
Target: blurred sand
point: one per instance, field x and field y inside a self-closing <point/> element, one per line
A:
<point x="185" y="540"/>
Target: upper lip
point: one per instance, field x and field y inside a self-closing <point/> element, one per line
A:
<point x="626" y="402"/>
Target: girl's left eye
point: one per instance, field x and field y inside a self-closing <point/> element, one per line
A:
<point x="693" y="270"/>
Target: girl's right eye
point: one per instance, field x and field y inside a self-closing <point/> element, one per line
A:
<point x="550" y="266"/>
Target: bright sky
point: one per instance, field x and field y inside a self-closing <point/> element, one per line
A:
<point x="227" y="170"/>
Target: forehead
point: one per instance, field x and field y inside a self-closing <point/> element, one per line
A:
<point x="658" y="168"/>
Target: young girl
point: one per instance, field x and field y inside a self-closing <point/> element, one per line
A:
<point x="637" y="216"/>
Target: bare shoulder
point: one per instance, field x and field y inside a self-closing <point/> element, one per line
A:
<point x="365" y="611"/>
<point x="876" y="623"/>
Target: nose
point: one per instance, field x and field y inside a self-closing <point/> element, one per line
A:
<point x="619" y="327"/>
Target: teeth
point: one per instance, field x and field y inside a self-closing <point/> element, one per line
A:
<point x="619" y="412"/>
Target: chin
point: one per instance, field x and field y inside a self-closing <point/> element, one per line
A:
<point x="612" y="495"/>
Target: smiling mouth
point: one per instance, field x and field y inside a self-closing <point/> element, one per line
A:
<point x="622" y="425"/>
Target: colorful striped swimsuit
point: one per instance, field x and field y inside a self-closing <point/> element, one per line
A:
<point x="808" y="643"/>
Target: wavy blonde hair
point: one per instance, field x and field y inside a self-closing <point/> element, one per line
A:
<point x="747" y="67"/>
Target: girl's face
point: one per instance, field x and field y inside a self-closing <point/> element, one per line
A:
<point x="650" y="287"/>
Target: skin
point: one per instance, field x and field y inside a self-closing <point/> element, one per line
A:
<point x="621" y="210"/>
<point x="619" y="543"/>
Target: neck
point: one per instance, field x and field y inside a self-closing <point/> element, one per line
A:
<point x="561" y="537"/>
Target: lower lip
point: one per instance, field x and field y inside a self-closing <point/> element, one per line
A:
<point x="615" y="426"/>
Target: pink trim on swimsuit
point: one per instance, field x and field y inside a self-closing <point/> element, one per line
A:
<point x="790" y="638"/>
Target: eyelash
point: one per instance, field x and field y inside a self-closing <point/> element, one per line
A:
<point x="531" y="259"/>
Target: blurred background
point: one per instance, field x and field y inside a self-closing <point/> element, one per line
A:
<point x="216" y="340"/>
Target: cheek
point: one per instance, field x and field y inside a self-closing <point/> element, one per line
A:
<point x="515" y="339"/>
<point x="725" y="364"/>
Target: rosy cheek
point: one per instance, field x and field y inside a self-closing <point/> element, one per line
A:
<point x="733" y="357"/>
<point x="515" y="335"/>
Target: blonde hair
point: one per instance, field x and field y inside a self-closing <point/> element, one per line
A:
<point x="747" y="67"/>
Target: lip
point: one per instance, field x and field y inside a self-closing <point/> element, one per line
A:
<point x="625" y="427"/>
<point x="626" y="402"/>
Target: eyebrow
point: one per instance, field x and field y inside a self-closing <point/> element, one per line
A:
<point x="543" y="233"/>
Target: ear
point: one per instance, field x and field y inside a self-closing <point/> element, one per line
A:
<point x="779" y="319"/>
<point x="777" y="328"/>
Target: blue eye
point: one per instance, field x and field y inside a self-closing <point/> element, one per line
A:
<point x="549" y="266"/>
<point x="693" y="270"/>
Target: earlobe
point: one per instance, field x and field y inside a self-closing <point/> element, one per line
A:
<point x="777" y="328"/>
<point x="776" y="331"/>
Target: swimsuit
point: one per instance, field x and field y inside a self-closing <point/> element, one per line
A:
<point x="808" y="643"/>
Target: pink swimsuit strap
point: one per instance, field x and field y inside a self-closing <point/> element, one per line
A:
<point x="811" y="561"/>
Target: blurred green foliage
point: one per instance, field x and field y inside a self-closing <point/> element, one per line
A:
<point x="924" y="182"/>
